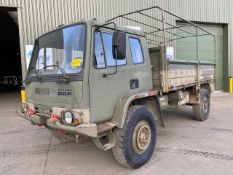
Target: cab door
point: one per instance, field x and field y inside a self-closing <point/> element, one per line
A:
<point x="131" y="76"/>
<point x="105" y="90"/>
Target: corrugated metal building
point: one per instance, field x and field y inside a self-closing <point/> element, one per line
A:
<point x="35" y="17"/>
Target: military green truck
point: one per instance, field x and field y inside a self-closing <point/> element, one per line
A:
<point x="109" y="83"/>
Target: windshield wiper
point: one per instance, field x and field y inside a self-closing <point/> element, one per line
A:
<point x="37" y="74"/>
<point x="60" y="68"/>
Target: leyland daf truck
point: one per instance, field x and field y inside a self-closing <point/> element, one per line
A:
<point x="110" y="82"/>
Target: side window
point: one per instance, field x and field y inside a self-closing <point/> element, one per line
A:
<point x="136" y="50"/>
<point x="99" y="51"/>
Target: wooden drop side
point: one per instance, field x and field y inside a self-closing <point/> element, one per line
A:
<point x="173" y="75"/>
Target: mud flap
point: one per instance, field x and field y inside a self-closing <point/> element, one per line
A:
<point x="111" y="142"/>
<point x="158" y="109"/>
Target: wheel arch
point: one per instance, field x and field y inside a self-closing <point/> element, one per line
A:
<point x="147" y="99"/>
<point x="208" y="86"/>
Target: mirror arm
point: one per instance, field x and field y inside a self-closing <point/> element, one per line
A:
<point x="115" y="46"/>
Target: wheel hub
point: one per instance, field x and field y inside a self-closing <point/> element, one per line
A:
<point x="141" y="137"/>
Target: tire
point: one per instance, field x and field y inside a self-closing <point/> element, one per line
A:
<point x="201" y="111"/>
<point x="135" y="142"/>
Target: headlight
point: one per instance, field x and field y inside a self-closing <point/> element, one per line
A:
<point x="71" y="118"/>
<point x="67" y="118"/>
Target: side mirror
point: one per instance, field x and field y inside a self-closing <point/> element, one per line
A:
<point x="119" y="45"/>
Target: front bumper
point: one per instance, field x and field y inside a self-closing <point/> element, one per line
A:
<point x="89" y="130"/>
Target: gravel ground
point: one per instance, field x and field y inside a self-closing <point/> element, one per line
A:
<point x="184" y="146"/>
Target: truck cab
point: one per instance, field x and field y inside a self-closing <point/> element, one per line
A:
<point x="74" y="79"/>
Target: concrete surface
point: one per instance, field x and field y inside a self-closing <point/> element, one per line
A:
<point x="184" y="147"/>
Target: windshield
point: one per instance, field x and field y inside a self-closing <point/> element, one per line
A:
<point x="59" y="51"/>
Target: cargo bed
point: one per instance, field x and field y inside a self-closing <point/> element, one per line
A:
<point x="173" y="75"/>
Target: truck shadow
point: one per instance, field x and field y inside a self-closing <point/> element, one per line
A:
<point x="184" y="113"/>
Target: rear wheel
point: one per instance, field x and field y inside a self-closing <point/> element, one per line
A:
<point x="201" y="111"/>
<point x="136" y="140"/>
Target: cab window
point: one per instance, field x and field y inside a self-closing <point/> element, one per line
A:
<point x="136" y="50"/>
<point x="102" y="59"/>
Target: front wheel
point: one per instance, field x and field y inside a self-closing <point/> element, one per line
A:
<point x="135" y="142"/>
<point x="201" y="111"/>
